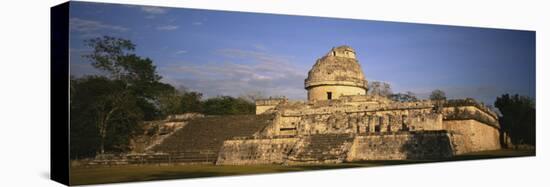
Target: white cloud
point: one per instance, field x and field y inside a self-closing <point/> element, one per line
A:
<point x="167" y="27"/>
<point x="88" y="26"/>
<point x="153" y="10"/>
<point x="270" y="74"/>
<point x="181" y="52"/>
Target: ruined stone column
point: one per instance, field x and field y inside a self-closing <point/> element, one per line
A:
<point x="372" y="123"/>
<point x="391" y="123"/>
<point x="404" y="123"/>
<point x="383" y="124"/>
<point x="361" y="125"/>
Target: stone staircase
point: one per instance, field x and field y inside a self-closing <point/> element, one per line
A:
<point x="201" y="139"/>
<point x="152" y="158"/>
<point x="320" y="149"/>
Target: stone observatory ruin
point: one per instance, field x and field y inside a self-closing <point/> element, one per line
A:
<point x="336" y="74"/>
<point x="338" y="123"/>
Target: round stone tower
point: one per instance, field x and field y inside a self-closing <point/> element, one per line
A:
<point x="335" y="74"/>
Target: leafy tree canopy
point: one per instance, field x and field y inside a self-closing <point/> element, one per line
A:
<point x="404" y="97"/>
<point x="518" y="117"/>
<point x="438" y="95"/>
<point x="380" y="88"/>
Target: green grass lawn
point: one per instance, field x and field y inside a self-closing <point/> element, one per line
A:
<point x="96" y="175"/>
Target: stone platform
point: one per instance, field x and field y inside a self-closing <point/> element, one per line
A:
<point x="338" y="148"/>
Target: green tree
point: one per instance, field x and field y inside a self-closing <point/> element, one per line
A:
<point x="227" y="105"/>
<point x="404" y="97"/>
<point x="380" y="88"/>
<point x="438" y="95"/>
<point x="115" y="57"/>
<point x="104" y="104"/>
<point x="114" y="104"/>
<point x="108" y="53"/>
<point x="518" y="117"/>
<point x="167" y="100"/>
<point x="84" y="132"/>
<point x="252" y="96"/>
<point x="191" y="102"/>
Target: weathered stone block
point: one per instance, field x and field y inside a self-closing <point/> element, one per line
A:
<point x="255" y="151"/>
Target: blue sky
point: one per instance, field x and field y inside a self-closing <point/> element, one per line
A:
<point x="232" y="53"/>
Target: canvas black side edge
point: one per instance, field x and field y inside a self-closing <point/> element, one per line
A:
<point x="59" y="98"/>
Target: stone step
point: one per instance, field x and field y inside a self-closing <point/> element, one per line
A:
<point x="206" y="135"/>
<point x="322" y="148"/>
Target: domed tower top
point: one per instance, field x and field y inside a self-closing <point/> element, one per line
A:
<point x="335" y="74"/>
<point x="342" y="51"/>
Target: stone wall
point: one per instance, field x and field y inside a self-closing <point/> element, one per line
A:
<point x="423" y="122"/>
<point x="472" y="135"/>
<point x="334" y="148"/>
<point x="321" y="149"/>
<point x="266" y="105"/>
<point x="401" y="146"/>
<point x="470" y="112"/>
<point x="255" y="151"/>
<point x="338" y="120"/>
<point x="320" y="92"/>
<point x="264" y="109"/>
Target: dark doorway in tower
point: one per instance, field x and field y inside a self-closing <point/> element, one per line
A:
<point x="329" y="95"/>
